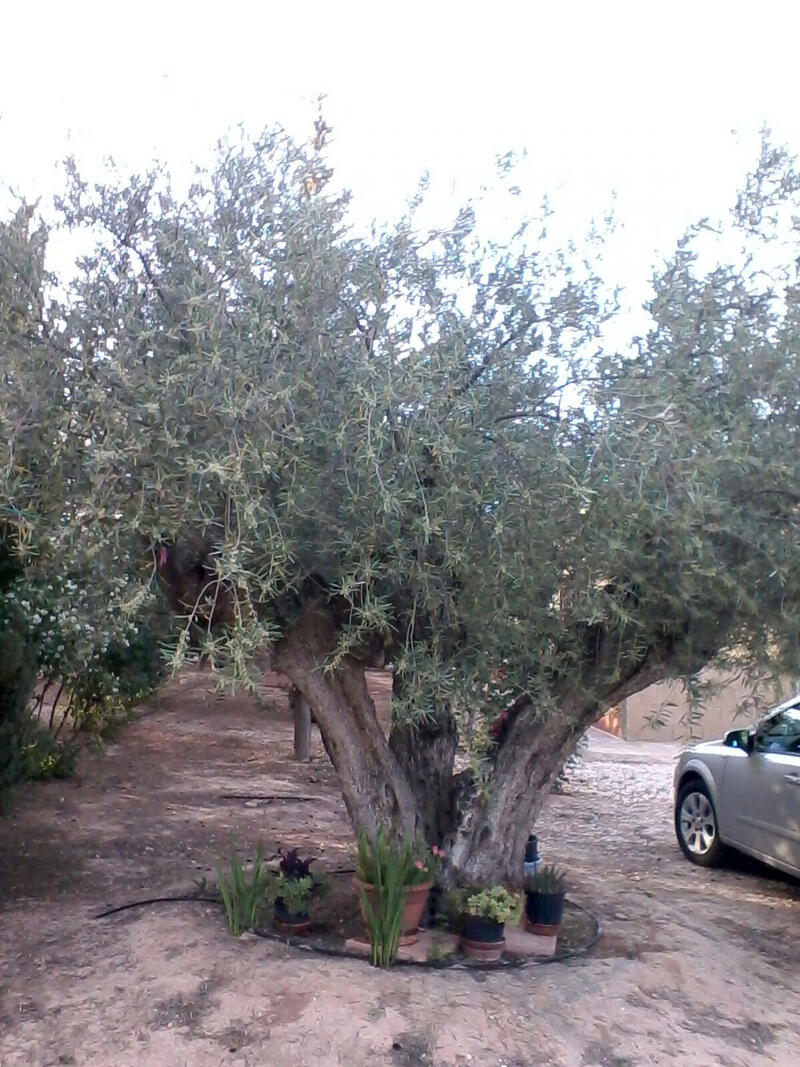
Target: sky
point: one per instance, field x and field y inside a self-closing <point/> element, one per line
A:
<point x="659" y="104"/>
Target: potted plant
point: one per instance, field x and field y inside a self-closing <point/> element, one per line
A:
<point x="485" y="913"/>
<point x="544" y="901"/>
<point x="293" y="892"/>
<point x="293" y="866"/>
<point x="292" y="903"/>
<point x="382" y="908"/>
<point x="402" y="871"/>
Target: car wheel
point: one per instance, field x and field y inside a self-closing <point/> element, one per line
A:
<point x="696" y="825"/>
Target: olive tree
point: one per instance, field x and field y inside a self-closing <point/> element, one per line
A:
<point x="415" y="447"/>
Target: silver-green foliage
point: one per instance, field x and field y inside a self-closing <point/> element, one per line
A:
<point x="428" y="423"/>
<point x="429" y="426"/>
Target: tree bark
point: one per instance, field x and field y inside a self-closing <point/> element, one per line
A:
<point x="408" y="785"/>
<point x="301" y="715"/>
<point x="493" y="824"/>
<point x="375" y="789"/>
<point x="426" y="752"/>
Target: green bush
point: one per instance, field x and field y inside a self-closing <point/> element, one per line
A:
<point x="119" y="676"/>
<point x="27" y="750"/>
<point x="295" y="893"/>
<point x="18" y="664"/>
<point x="74" y="638"/>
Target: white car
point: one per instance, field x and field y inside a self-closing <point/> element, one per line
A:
<point x="743" y="792"/>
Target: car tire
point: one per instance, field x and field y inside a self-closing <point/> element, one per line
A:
<point x="697" y="826"/>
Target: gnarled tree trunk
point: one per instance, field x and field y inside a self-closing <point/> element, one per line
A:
<point x="375" y="789"/>
<point x="494" y="823"/>
<point x="426" y="752"/>
<point x="408" y="784"/>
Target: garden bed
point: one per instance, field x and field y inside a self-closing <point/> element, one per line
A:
<point x="337" y="930"/>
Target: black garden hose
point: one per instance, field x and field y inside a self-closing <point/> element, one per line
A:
<point x="155" y="900"/>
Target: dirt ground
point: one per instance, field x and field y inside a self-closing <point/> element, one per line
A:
<point x="693" y="967"/>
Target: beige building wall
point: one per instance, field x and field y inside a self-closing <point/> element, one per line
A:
<point x="631" y="719"/>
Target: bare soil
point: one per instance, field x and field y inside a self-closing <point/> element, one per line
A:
<point x="694" y="967"/>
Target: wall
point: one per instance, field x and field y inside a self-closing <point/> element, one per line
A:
<point x="630" y="718"/>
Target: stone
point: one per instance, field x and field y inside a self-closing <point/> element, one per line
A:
<point x="521" y="943"/>
<point x="436" y="944"/>
<point x="429" y="946"/>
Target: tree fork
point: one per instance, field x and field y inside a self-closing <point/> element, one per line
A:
<point x="493" y="825"/>
<point x="426" y="752"/>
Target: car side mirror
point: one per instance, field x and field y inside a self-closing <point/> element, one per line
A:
<point x="739" y="739"/>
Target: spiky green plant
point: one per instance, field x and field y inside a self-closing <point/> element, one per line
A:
<point x="383" y="908"/>
<point x="242" y="890"/>
<point x="413" y="859"/>
<point x="548" y="879"/>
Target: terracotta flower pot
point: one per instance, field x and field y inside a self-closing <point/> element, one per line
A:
<point x="293" y="929"/>
<point x="288" y="923"/>
<point x="415" y="897"/>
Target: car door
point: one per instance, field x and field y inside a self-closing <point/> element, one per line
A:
<point x="762" y="792"/>
<point x="784" y="770"/>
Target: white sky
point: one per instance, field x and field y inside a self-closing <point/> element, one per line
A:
<point x="660" y="102"/>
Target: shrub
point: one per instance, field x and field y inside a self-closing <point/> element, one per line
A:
<point x="24" y="751"/>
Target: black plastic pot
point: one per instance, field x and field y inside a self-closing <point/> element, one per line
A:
<point x="475" y="928"/>
<point x="482" y="940"/>
<point x="544" y="912"/>
<point x="532" y="849"/>
<point x="298" y="921"/>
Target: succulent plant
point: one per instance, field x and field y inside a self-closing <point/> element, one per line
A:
<point x="495" y="903"/>
<point x="548" y="879"/>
